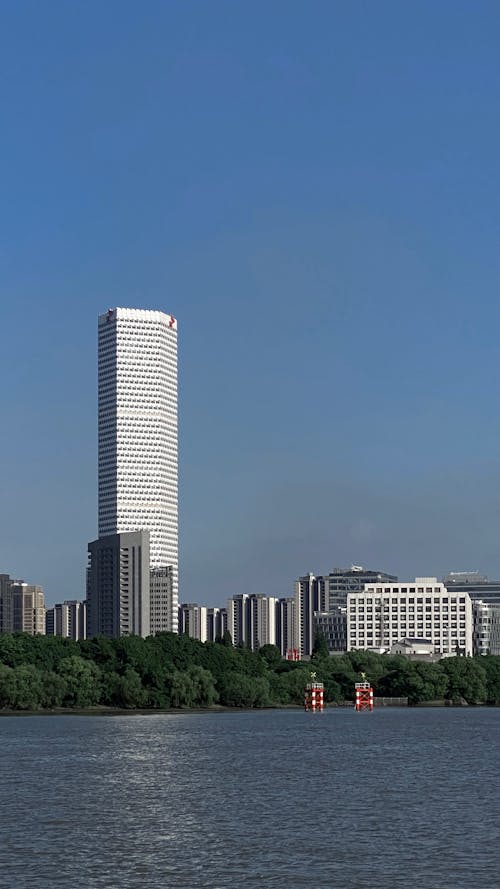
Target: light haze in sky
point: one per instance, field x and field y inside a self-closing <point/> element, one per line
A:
<point x="313" y="190"/>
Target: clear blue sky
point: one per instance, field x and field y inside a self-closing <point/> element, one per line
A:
<point x="313" y="190"/>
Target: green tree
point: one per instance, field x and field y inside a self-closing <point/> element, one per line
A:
<point x="466" y="679"/>
<point x="271" y="655"/>
<point x="53" y="690"/>
<point x="124" y="690"/>
<point x="83" y="682"/>
<point x="205" y="694"/>
<point x="20" y="687"/>
<point x="491" y="666"/>
<point x="293" y="685"/>
<point x="416" y="680"/>
<point x="182" y="689"/>
<point x="239" y="690"/>
<point x="320" y="646"/>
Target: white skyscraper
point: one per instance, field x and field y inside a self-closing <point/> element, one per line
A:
<point x="138" y="475"/>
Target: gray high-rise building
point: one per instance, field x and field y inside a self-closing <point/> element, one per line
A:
<point x="6" y="604"/>
<point x="285" y="625"/>
<point x="118" y="585"/>
<point x="67" y="619"/>
<point x="310" y="597"/>
<point x="341" y="581"/>
<point x="332" y="625"/>
<point x="477" y="585"/>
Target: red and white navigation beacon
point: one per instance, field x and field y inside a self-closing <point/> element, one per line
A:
<point x="313" y="697"/>
<point x="364" y="695"/>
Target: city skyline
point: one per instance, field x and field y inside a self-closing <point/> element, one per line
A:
<point x="317" y="199"/>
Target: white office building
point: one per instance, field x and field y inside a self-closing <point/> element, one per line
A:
<point x="384" y="614"/>
<point x="138" y="469"/>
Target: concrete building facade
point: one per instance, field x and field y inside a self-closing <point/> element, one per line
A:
<point x="193" y="621"/>
<point x="118" y="577"/>
<point x="477" y="585"/>
<point x="67" y="619"/>
<point x="251" y="620"/>
<point x="384" y="614"/>
<point x="6" y="604"/>
<point x="138" y="441"/>
<point x="341" y="581"/>
<point x="310" y="597"/>
<point x="285" y="625"/>
<point x="486" y="627"/>
<point x="332" y="625"/>
<point x="28" y="608"/>
<point x="163" y="600"/>
<point x="216" y="623"/>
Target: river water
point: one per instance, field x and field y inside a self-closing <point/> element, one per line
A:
<point x="275" y="799"/>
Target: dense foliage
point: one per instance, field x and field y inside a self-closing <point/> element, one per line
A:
<point x="46" y="672"/>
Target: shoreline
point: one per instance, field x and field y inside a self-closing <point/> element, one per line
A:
<point x="219" y="708"/>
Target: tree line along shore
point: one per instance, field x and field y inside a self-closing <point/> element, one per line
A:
<point x="168" y="671"/>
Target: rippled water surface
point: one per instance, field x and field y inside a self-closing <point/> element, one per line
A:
<point x="276" y="799"/>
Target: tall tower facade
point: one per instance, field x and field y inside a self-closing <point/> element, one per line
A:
<point x="138" y="439"/>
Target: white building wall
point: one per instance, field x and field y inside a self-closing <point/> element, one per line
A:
<point x="265" y="630"/>
<point x="382" y="615"/>
<point x="236" y="614"/>
<point x="195" y="621"/>
<point x="251" y="619"/>
<point x="29" y="608"/>
<point x="138" y="437"/>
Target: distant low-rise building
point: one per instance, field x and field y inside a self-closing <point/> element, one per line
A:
<point x="415" y="649"/>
